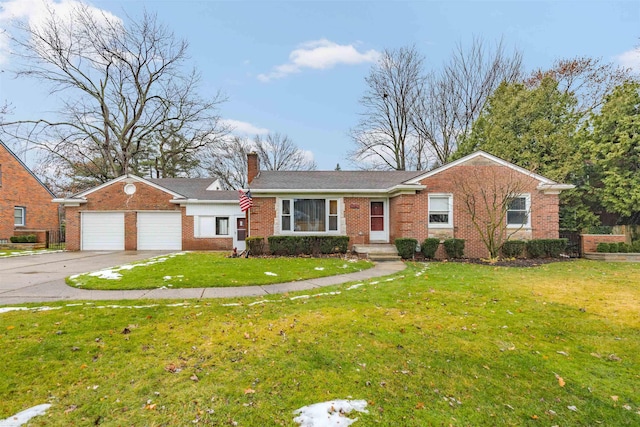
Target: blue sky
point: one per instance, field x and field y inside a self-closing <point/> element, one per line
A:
<point x="298" y="68"/>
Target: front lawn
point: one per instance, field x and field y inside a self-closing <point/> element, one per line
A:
<point x="213" y="270"/>
<point x="439" y="344"/>
<point x="6" y="253"/>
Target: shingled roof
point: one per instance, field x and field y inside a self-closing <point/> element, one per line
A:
<point x="331" y="180"/>
<point x="194" y="188"/>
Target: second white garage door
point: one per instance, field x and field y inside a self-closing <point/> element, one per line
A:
<point x="159" y="231"/>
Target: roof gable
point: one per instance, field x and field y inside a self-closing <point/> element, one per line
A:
<point x="23" y="165"/>
<point x="135" y="178"/>
<point x="478" y="158"/>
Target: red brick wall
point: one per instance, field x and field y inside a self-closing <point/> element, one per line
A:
<point x="261" y="218"/>
<point x="20" y="188"/>
<point x="590" y="241"/>
<point x="191" y="243"/>
<point x="113" y="198"/>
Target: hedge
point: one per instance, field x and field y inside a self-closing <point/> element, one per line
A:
<point x="307" y="245"/>
<point x="454" y="248"/>
<point x="621" y="247"/>
<point x="429" y="247"/>
<point x="27" y="238"/>
<point x="549" y="248"/>
<point x="406" y="247"/>
<point x="513" y="248"/>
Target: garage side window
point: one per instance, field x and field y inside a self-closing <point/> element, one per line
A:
<point x="19" y="216"/>
<point x="211" y="226"/>
<point x="440" y="211"/>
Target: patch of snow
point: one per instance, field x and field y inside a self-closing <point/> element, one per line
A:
<point x="106" y="274"/>
<point x="43" y="308"/>
<point x="167" y="278"/>
<point x="300" y="297"/>
<point x="23" y="417"/>
<point x="319" y="268"/>
<point x="258" y="302"/>
<point x="374" y="283"/>
<point x="356" y="286"/>
<point x="268" y="273"/>
<point x="329" y="414"/>
<point x="326" y="293"/>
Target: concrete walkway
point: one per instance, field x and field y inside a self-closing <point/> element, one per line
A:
<point x="58" y="290"/>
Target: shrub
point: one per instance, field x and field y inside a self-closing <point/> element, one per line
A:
<point x="600" y="229"/>
<point x="555" y="247"/>
<point x="454" y="248"/>
<point x="535" y="248"/>
<point x="406" y="247"/>
<point x="613" y="248"/>
<point x="513" y="248"/>
<point x="429" y="247"/>
<point x="255" y="245"/>
<point x="623" y="248"/>
<point x="26" y="238"/>
<point x="602" y="247"/>
<point x="550" y="248"/>
<point x="308" y="245"/>
<point x="635" y="246"/>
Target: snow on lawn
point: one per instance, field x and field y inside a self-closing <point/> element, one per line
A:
<point x="329" y="414"/>
<point x="45" y="308"/>
<point x="23" y="417"/>
<point x="268" y="273"/>
<point x="112" y="273"/>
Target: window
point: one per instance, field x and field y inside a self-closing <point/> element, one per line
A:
<point x="222" y="226"/>
<point x="440" y="211"/>
<point x="309" y="215"/>
<point x="518" y="212"/>
<point x="19" y="214"/>
<point x="211" y="226"/>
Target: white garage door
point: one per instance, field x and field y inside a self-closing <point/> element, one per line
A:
<point x="159" y="231"/>
<point x="102" y="231"/>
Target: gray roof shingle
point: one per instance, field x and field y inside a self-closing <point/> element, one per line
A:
<point x="194" y="188"/>
<point x="330" y="180"/>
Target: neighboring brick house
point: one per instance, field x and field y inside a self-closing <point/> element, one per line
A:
<point x="25" y="202"/>
<point x="380" y="206"/>
<point x="133" y="213"/>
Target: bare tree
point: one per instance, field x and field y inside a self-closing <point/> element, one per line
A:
<point x="487" y="193"/>
<point x="384" y="133"/>
<point x="588" y="79"/>
<point x="277" y="152"/>
<point x="451" y="100"/>
<point x="122" y="88"/>
<point x="227" y="162"/>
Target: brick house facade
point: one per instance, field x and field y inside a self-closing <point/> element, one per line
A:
<point x="25" y="202"/>
<point x="155" y="214"/>
<point x="410" y="204"/>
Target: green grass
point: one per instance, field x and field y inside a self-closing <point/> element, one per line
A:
<point x="451" y="344"/>
<point x="215" y="270"/>
<point x="6" y="253"/>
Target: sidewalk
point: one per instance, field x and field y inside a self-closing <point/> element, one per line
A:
<point x="58" y="290"/>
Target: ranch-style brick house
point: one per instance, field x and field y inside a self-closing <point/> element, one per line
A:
<point x="25" y="202"/>
<point x="134" y="213"/>
<point x="380" y="206"/>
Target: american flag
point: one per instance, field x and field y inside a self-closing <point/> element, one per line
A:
<point x="245" y="200"/>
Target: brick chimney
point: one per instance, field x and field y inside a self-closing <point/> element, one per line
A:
<point x="253" y="166"/>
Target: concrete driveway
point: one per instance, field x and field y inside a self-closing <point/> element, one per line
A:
<point x="40" y="278"/>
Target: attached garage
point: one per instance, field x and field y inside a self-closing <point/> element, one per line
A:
<point x="159" y="231"/>
<point x="102" y="231"/>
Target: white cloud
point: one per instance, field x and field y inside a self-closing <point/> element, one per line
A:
<point x="319" y="55"/>
<point x="244" y="128"/>
<point x="630" y="59"/>
<point x="35" y="13"/>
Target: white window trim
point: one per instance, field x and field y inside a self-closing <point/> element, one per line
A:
<point x="327" y="199"/>
<point x="449" y="224"/>
<point x="24" y="214"/>
<point x="527" y="205"/>
<point x="196" y="227"/>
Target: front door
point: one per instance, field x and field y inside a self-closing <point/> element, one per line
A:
<point x="379" y="226"/>
<point x="241" y="234"/>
